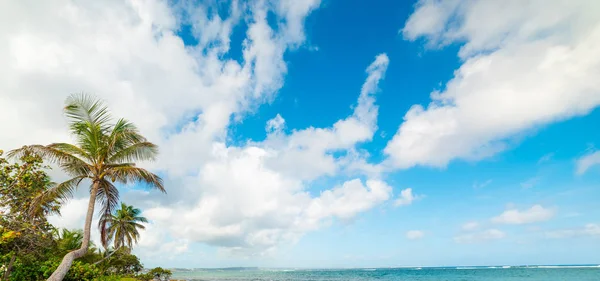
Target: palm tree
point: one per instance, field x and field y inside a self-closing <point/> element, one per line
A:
<point x="68" y="240"/>
<point x="121" y="227"/>
<point x="105" y="153"/>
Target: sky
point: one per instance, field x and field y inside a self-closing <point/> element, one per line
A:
<point x="330" y="133"/>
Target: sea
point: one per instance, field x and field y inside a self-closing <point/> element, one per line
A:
<point x="480" y="273"/>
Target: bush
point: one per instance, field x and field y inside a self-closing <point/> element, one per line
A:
<point x="145" y="277"/>
<point x="42" y="270"/>
<point x="161" y="274"/>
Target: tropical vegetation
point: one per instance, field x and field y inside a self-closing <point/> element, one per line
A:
<point x="103" y="155"/>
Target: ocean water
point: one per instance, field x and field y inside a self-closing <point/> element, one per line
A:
<point x="536" y="273"/>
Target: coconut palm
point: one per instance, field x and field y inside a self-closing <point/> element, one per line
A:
<point x="121" y="227"/>
<point x="104" y="153"/>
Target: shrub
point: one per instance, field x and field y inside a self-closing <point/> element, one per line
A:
<point x="145" y="276"/>
<point x="161" y="274"/>
<point x="42" y="270"/>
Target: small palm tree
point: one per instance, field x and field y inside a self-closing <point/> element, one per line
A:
<point x="68" y="240"/>
<point x="121" y="227"/>
<point x="105" y="153"/>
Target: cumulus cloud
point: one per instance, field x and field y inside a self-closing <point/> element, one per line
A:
<point x="155" y="242"/>
<point x="524" y="65"/>
<point x="308" y="153"/>
<point x="587" y="161"/>
<point x="243" y="199"/>
<point x="537" y="213"/>
<point x="72" y="214"/>
<point x="275" y="124"/>
<point x="253" y="199"/>
<point x="590" y="229"/>
<point x="482" y="236"/>
<point x="414" y="234"/>
<point x="406" y="197"/>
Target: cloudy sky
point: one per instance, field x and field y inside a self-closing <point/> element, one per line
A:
<point x="331" y="133"/>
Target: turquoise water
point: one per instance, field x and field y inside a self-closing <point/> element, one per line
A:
<point x="540" y="273"/>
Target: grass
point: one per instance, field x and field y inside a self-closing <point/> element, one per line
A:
<point x="128" y="279"/>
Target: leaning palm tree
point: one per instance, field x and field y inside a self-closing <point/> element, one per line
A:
<point x="105" y="153"/>
<point x="121" y="227"/>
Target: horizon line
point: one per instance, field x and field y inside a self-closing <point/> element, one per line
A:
<point x="491" y="266"/>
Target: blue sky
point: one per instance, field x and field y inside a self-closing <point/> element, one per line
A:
<point x="333" y="133"/>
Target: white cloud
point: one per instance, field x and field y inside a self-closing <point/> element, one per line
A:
<point x="275" y="124"/>
<point x="406" y="197"/>
<point x="590" y="229"/>
<point x="349" y="199"/>
<point x="469" y="226"/>
<point x="537" y="213"/>
<point x="244" y="199"/>
<point x="155" y="242"/>
<point x="587" y="161"/>
<point x="482" y="236"/>
<point x="307" y="153"/>
<point x="253" y="197"/>
<point x="72" y="217"/>
<point x="414" y="234"/>
<point x="72" y="214"/>
<point x="525" y="65"/>
<point x="254" y="209"/>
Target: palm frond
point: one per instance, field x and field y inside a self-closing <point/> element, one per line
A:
<point x="60" y="192"/>
<point x="138" y="225"/>
<point x="128" y="173"/>
<point x="51" y="153"/>
<point x="125" y="132"/>
<point x="141" y="151"/>
<point x="83" y="108"/>
<point x="89" y="123"/>
<point x="71" y="149"/>
<point x="104" y="225"/>
<point x="108" y="197"/>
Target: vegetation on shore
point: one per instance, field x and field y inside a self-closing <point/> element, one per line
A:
<point x="103" y="155"/>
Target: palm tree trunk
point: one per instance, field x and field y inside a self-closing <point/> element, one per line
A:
<point x="9" y="267"/>
<point x="67" y="261"/>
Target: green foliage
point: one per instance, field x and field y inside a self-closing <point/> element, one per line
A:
<point x="41" y="270"/>
<point x="161" y="274"/>
<point x="112" y="278"/>
<point x="145" y="276"/>
<point x="36" y="245"/>
<point x="24" y="231"/>
<point x="122" y="262"/>
<point x="68" y="240"/>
